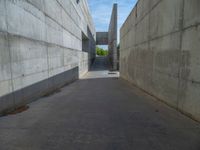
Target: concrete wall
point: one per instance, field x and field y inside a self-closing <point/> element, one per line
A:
<point x="112" y="39"/>
<point x="102" y="38"/>
<point x="159" y="53"/>
<point x="41" y="47"/>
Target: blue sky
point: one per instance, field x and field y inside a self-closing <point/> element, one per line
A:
<point x="101" y="12"/>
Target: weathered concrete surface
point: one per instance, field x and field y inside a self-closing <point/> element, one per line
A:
<point x="41" y="47"/>
<point x="160" y="52"/>
<point x="101" y="114"/>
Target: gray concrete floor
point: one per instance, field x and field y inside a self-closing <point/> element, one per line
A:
<point x="100" y="69"/>
<point x="99" y="112"/>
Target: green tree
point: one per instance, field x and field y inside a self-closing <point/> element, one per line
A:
<point x="101" y="52"/>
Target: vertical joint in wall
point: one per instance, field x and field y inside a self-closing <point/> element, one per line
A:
<point x="9" y="50"/>
<point x="181" y="26"/>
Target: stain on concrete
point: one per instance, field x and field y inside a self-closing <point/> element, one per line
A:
<point x="16" y="110"/>
<point x="161" y="56"/>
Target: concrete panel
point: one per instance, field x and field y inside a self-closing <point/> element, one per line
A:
<point x="7" y="102"/>
<point x="142" y="27"/>
<point x="143" y="62"/>
<point x="3" y="25"/>
<point x="5" y="74"/>
<point x="131" y="39"/>
<point x="38" y="4"/>
<point x="167" y="54"/>
<point x="191" y="12"/>
<point x="71" y="57"/>
<point x="4" y="58"/>
<point x="74" y="14"/>
<point x="32" y="8"/>
<point x="23" y="23"/>
<point x="55" y="60"/>
<point x="165" y="88"/>
<point x="65" y="21"/>
<point x="165" y="18"/>
<point x="66" y="5"/>
<point x="153" y="3"/>
<point x="24" y="81"/>
<point x="5" y="66"/>
<point x="54" y="34"/>
<point x="143" y="8"/>
<point x="24" y="54"/>
<point x="84" y="62"/>
<point x="76" y="43"/>
<point x="53" y="10"/>
<point x="191" y="54"/>
<point x="67" y="39"/>
<point x="189" y="102"/>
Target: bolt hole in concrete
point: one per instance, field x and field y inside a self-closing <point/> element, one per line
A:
<point x="17" y="110"/>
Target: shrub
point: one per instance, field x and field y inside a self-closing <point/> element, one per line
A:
<point x="101" y="52"/>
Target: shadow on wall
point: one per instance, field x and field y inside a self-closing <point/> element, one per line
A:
<point x="28" y="94"/>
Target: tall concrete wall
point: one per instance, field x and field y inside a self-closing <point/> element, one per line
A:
<point x="159" y="53"/>
<point x="41" y="47"/>
<point x="112" y="38"/>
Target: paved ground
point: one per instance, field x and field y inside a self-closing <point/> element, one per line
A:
<point x="99" y="114"/>
<point x="100" y="69"/>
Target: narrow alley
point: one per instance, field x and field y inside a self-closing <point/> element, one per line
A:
<point x="99" y="112"/>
